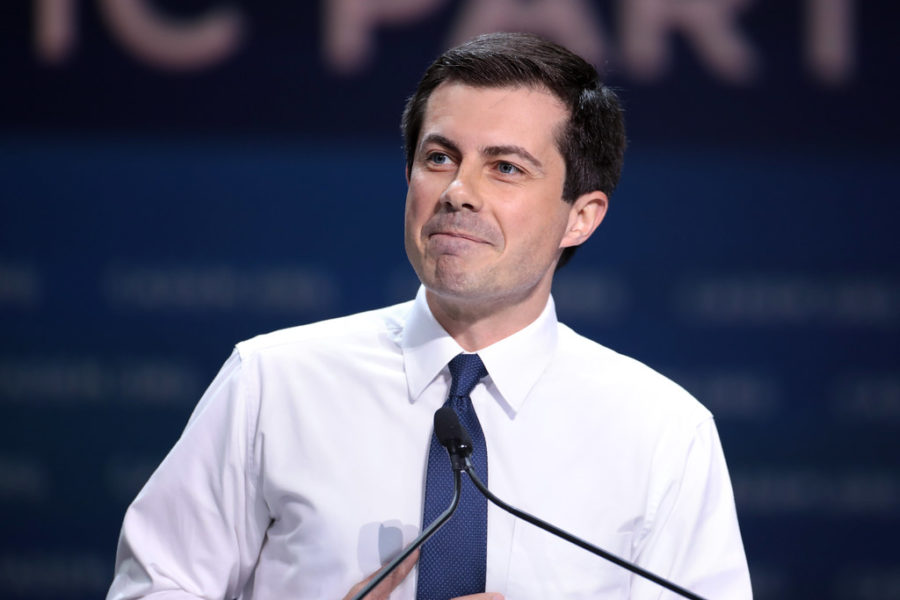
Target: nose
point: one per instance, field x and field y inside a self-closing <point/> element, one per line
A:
<point x="462" y="192"/>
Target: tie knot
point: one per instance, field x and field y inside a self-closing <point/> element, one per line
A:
<point x="466" y="370"/>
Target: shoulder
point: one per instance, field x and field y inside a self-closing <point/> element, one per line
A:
<point x="625" y="381"/>
<point x="342" y="335"/>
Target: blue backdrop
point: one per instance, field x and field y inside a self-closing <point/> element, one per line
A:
<point x="178" y="176"/>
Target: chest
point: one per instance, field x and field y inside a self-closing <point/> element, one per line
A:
<point x="344" y="484"/>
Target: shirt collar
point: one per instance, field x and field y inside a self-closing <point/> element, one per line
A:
<point x="514" y="364"/>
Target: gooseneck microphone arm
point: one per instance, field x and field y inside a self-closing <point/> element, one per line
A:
<point x="455" y="438"/>
<point x="427" y="533"/>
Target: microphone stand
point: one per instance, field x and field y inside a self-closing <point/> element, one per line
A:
<point x="423" y="537"/>
<point x="575" y="540"/>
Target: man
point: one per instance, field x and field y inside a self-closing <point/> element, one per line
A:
<point x="307" y="462"/>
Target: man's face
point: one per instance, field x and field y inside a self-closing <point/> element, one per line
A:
<point x="485" y="219"/>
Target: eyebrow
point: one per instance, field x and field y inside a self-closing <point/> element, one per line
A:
<point x="517" y="150"/>
<point x="435" y="138"/>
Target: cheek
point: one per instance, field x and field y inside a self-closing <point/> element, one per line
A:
<point x="416" y="196"/>
<point x="412" y="215"/>
<point x="535" y="229"/>
<point x="417" y="213"/>
<point x="422" y="199"/>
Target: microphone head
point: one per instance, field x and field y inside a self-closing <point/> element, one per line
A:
<point x="450" y="432"/>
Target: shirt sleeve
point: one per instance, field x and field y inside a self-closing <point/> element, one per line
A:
<point x="693" y="538"/>
<point x="196" y="528"/>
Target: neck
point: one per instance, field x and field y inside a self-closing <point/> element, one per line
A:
<point x="477" y="324"/>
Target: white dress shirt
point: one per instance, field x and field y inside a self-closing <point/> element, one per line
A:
<point x="302" y="469"/>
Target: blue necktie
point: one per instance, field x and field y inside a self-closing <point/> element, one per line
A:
<point x="453" y="562"/>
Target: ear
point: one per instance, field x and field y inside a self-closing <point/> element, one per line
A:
<point x="585" y="215"/>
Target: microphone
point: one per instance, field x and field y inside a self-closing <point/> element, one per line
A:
<point x="455" y="438"/>
<point x="458" y="466"/>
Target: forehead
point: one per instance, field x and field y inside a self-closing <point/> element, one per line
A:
<point x="494" y="115"/>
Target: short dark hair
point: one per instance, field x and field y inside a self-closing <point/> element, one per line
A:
<point x="592" y="142"/>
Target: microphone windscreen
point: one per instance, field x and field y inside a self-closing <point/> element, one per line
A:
<point x="448" y="429"/>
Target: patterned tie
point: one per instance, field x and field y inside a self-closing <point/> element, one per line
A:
<point x="453" y="562"/>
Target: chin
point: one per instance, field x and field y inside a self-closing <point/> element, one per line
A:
<point x="452" y="288"/>
<point x="456" y="285"/>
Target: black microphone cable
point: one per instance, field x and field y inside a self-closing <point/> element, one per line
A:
<point x="458" y="443"/>
<point x="427" y="533"/>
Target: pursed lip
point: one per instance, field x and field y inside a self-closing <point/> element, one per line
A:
<point x="462" y="227"/>
<point x="459" y="234"/>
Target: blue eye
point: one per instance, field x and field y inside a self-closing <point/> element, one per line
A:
<point x="438" y="158"/>
<point x="508" y="168"/>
